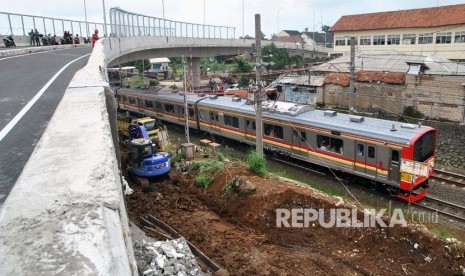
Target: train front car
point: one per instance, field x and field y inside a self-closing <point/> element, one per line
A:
<point x="417" y="165"/>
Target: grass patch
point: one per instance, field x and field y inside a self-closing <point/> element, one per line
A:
<point x="208" y="169"/>
<point x="444" y="232"/>
<point x="320" y="187"/>
<point x="256" y="163"/>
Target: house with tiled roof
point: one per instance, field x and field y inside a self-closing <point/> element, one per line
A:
<point x="290" y="36"/>
<point x="391" y="81"/>
<point x="437" y="31"/>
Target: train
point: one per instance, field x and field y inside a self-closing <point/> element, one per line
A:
<point x="397" y="156"/>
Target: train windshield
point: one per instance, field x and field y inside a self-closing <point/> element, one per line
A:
<point x="424" y="147"/>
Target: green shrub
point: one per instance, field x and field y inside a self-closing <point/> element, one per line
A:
<point x="204" y="180"/>
<point x="228" y="188"/>
<point x="207" y="172"/>
<point x="256" y="163"/>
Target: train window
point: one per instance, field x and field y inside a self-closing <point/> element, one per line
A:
<point x="329" y="143"/>
<point x="274" y="131"/>
<point x="213" y="116"/>
<point x="303" y="136"/>
<point x="118" y="97"/>
<point x="395" y="156"/>
<point x="149" y="104"/>
<point x="169" y="108"/>
<point x="125" y="98"/>
<point x="371" y="152"/>
<point x="253" y="124"/>
<point x="158" y="105"/>
<point x="203" y="115"/>
<point x="231" y="121"/>
<point x="191" y="112"/>
<point x="360" y="150"/>
<point x="424" y="147"/>
<point x="132" y="100"/>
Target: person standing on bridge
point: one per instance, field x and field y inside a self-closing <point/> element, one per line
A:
<point x="32" y="42"/>
<point x="94" y="37"/>
<point x="37" y="37"/>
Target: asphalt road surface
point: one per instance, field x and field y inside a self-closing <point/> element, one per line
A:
<point x="31" y="86"/>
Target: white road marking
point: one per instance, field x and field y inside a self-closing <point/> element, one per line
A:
<point x="35" y="53"/>
<point x="23" y="111"/>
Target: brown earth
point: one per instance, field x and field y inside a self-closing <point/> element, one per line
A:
<point x="238" y="232"/>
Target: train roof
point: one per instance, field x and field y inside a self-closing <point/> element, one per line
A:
<point x="379" y="129"/>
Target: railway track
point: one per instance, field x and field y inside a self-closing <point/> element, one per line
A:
<point x="442" y="207"/>
<point x="449" y="178"/>
<point x="448" y="209"/>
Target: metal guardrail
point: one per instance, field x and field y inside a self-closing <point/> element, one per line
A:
<point x="124" y="23"/>
<point x="21" y="24"/>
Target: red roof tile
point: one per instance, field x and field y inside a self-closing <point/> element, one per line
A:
<point x="337" y="78"/>
<point x="416" y="18"/>
<point x="386" y="77"/>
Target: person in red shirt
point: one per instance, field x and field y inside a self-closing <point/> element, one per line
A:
<point x="94" y="37"/>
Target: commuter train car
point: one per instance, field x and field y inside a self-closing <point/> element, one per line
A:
<point x="398" y="155"/>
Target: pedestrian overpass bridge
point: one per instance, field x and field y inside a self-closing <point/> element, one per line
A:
<point x="66" y="213"/>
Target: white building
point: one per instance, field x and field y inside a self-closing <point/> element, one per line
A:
<point x="438" y="31"/>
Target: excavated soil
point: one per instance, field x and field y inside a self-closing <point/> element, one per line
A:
<point x="238" y="232"/>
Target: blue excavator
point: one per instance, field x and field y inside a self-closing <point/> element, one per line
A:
<point x="142" y="157"/>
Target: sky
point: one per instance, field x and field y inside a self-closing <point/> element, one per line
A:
<point x="293" y="14"/>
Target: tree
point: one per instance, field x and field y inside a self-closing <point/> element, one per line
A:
<point x="142" y="65"/>
<point x="325" y="28"/>
<point x="242" y="65"/>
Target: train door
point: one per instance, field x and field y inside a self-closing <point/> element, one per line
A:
<point x="394" y="165"/>
<point x="250" y="129"/>
<point x="299" y="143"/>
<point x="365" y="158"/>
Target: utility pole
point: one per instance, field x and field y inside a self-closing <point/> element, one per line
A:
<point x="258" y="93"/>
<point x="186" y="109"/>
<point x="352" y="76"/>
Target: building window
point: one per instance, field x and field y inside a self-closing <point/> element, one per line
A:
<point x="409" y="38"/>
<point x="459" y="37"/>
<point x="425" y="39"/>
<point x="365" y="40"/>
<point x="443" y="38"/>
<point x="340" y="41"/>
<point x="231" y="121"/>
<point x="379" y="40"/>
<point x="273" y="131"/>
<point x="393" y="40"/>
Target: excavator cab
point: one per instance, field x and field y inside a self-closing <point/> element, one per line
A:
<point x="141" y="149"/>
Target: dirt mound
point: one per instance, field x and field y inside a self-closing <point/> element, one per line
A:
<point x="239" y="231"/>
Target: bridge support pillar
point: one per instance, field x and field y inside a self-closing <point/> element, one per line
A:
<point x="194" y="71"/>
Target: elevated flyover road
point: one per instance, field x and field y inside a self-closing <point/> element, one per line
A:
<point x="31" y="86"/>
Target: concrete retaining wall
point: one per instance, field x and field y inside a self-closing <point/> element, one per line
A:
<point x="66" y="213"/>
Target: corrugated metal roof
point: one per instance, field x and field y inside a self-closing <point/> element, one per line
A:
<point x="391" y="61"/>
<point x="415" y="18"/>
<point x="302" y="80"/>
